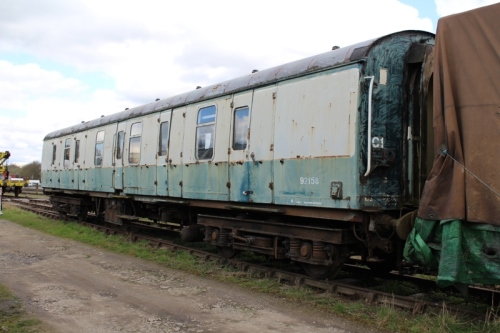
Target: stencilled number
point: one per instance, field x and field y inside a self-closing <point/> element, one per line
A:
<point x="309" y="181"/>
<point x="378" y="142"/>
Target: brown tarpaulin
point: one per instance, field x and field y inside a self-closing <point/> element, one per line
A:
<point x="464" y="182"/>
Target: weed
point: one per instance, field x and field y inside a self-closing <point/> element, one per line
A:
<point x="403" y="288"/>
<point x="491" y="322"/>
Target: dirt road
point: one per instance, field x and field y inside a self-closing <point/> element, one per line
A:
<point x="77" y="288"/>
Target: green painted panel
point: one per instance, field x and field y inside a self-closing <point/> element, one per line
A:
<point x="239" y="177"/>
<point x="206" y="181"/>
<point x="80" y="177"/>
<point x="174" y="175"/>
<point x="139" y="180"/>
<point x="75" y="181"/>
<point x="66" y="178"/>
<point x="311" y="181"/>
<point x="47" y="178"/>
<point x="252" y="182"/>
<point x="383" y="188"/>
<point x="147" y="184"/>
<point x="162" y="179"/>
<point x="99" y="179"/>
<point x="118" y="182"/>
<point x="131" y="178"/>
<point x="261" y="181"/>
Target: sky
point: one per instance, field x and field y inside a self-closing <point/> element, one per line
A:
<point x="63" y="62"/>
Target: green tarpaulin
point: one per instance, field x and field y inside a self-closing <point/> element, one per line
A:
<point x="462" y="253"/>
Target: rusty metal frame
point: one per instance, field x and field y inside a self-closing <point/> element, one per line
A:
<point x="286" y="230"/>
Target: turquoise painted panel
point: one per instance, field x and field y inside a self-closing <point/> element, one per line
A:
<point x="99" y="179"/>
<point x="261" y="181"/>
<point x="46" y="178"/>
<point x="66" y="178"/>
<point x="311" y="182"/>
<point x="174" y="176"/>
<point x="74" y="180"/>
<point x="118" y="181"/>
<point x="147" y="180"/>
<point x="206" y="181"/>
<point x="81" y="178"/>
<point x="131" y="178"/>
<point x="162" y="180"/>
<point x="55" y="178"/>
<point x="251" y="182"/>
<point x="105" y="180"/>
<point x="88" y="179"/>
<point x="139" y="180"/>
<point x="239" y="178"/>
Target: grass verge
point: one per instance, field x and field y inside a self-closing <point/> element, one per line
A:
<point x="384" y="317"/>
<point x="13" y="318"/>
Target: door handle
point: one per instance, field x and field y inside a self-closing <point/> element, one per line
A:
<point x="369" y="143"/>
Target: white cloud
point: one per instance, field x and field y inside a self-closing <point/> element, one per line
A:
<point x="37" y="101"/>
<point x="132" y="41"/>
<point x="20" y="83"/>
<point x="155" y="49"/>
<point x="449" y="7"/>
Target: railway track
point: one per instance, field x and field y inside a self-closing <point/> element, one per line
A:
<point x="347" y="287"/>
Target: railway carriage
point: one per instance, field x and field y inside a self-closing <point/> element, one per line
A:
<point x="315" y="161"/>
<point x="385" y="151"/>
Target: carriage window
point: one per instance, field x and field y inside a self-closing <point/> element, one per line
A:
<point x="134" y="146"/>
<point x="119" y="145"/>
<point x="99" y="145"/>
<point x="163" y="145"/>
<point x="67" y="146"/>
<point x="240" y="128"/>
<point x="77" y="151"/>
<point x="205" y="133"/>
<point x="54" y="148"/>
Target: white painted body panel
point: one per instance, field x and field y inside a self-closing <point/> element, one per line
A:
<point x="316" y="117"/>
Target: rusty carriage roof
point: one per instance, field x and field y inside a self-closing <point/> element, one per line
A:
<point x="334" y="58"/>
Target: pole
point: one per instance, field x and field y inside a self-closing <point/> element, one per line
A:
<point x="1" y="193"/>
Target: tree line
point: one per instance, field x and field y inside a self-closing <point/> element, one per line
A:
<point x="29" y="171"/>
